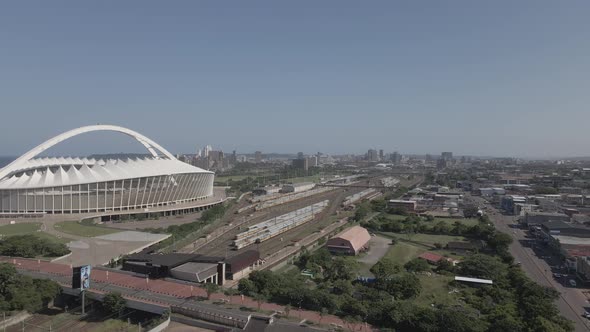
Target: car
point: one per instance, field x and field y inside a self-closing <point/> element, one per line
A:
<point x="573" y="283"/>
<point x="586" y="314"/>
<point x="557" y="275"/>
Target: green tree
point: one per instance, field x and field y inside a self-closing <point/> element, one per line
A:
<point x="417" y="265"/>
<point x="342" y="287"/>
<point x="470" y="211"/>
<point x="361" y="212"/>
<point x="401" y="286"/>
<point x="451" y="319"/>
<point x="504" y="318"/>
<point x="210" y="288"/>
<point x="499" y="241"/>
<point x="342" y="268"/>
<point x="385" y="268"/>
<point x="482" y="266"/>
<point x="113" y="303"/>
<point x="247" y="287"/>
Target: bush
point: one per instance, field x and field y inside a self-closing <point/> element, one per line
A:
<point x="113" y="303"/>
<point x="30" y="246"/>
<point x="417" y="265"/>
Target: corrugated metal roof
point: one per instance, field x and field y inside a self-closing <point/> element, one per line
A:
<point x="475" y="280"/>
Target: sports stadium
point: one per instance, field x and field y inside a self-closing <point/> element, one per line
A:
<point x="86" y="185"/>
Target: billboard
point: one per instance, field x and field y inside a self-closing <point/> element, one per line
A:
<point x="81" y="277"/>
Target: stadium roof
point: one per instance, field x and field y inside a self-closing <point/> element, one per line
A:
<point x="30" y="172"/>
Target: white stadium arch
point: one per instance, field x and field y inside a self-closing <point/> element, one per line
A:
<point x="80" y="185"/>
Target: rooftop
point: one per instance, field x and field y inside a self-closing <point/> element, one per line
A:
<point x="474" y="280"/>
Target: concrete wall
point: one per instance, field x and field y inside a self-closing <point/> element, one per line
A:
<point x="162" y="326"/>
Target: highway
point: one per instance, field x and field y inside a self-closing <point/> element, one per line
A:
<point x="571" y="302"/>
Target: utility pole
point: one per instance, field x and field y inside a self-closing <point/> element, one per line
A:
<point x="83" y="302"/>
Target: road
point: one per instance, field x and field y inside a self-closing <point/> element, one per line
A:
<point x="571" y="302"/>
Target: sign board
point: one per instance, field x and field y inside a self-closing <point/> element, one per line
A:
<point x="81" y="277"/>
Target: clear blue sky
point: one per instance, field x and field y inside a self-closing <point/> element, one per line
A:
<point x="502" y="78"/>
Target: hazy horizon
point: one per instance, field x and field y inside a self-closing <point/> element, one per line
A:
<point x="505" y="79"/>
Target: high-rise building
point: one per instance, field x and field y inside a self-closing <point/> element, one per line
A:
<point x="206" y="151"/>
<point x="372" y="155"/>
<point x="234" y="158"/>
<point x="381" y="154"/>
<point x="299" y="155"/>
<point x="446" y="156"/>
<point x="396" y="158"/>
<point x="258" y="157"/>
<point x="301" y="163"/>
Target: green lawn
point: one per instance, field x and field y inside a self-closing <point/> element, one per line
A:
<point x="76" y="228"/>
<point x="409" y="248"/>
<point x="435" y="289"/>
<point x="393" y="217"/>
<point x="224" y="179"/>
<point x="425" y="240"/>
<point x="464" y="221"/>
<point x="30" y="228"/>
<point x="401" y="253"/>
<point x="19" y="229"/>
<point x="313" y="178"/>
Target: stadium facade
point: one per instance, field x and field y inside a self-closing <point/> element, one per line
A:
<point x="85" y="185"/>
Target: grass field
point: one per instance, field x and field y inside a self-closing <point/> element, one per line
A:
<point x="451" y="221"/>
<point x="409" y="248"/>
<point x="232" y="177"/>
<point x="435" y="290"/>
<point x="30" y="228"/>
<point x="19" y="229"/>
<point x="401" y="253"/>
<point x="76" y="228"/>
<point x="313" y="178"/>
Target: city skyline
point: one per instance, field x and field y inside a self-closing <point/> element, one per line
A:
<point x="501" y="79"/>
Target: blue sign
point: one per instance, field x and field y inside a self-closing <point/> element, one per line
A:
<point x="85" y="277"/>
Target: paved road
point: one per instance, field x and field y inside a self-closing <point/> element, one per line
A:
<point x="571" y="302"/>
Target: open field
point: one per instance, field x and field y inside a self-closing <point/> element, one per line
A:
<point x="30" y="228"/>
<point x="409" y="248"/>
<point x="19" y="229"/>
<point x="401" y="253"/>
<point x="451" y="221"/>
<point x="435" y="290"/>
<point x="313" y="178"/>
<point x="224" y="179"/>
<point x="76" y="228"/>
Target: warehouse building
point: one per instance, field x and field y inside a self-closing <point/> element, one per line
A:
<point x="200" y="272"/>
<point x="240" y="265"/>
<point x="409" y="206"/>
<point x="350" y="241"/>
<point x="192" y="267"/>
<point x="297" y="187"/>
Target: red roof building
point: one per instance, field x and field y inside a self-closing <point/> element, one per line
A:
<point x="349" y="241"/>
<point x="431" y="258"/>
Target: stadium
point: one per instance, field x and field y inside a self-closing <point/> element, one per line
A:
<point x="87" y="185"/>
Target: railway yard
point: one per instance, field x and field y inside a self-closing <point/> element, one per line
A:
<point x="223" y="245"/>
